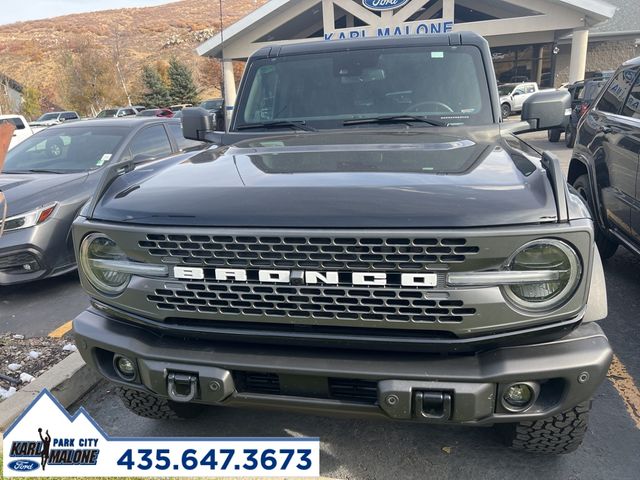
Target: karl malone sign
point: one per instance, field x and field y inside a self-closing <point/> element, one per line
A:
<point x="389" y="28"/>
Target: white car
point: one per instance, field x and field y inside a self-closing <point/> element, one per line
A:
<point x="22" y="131"/>
<point x="55" y="118"/>
<point x="513" y="95"/>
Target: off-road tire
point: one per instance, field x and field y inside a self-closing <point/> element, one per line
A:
<point x="505" y="108"/>
<point x="553" y="135"/>
<point x="148" y="405"/>
<point x="562" y="433"/>
<point x="606" y="245"/>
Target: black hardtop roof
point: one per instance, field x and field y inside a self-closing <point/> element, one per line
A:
<point x="443" y="39"/>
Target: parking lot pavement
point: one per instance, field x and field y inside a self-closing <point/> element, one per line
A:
<point x="39" y="308"/>
<point x="365" y="449"/>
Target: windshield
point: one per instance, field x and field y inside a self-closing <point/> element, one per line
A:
<point x="107" y="113"/>
<point x="505" y="90"/>
<point x="66" y="150"/>
<point x="48" y="116"/>
<point x="446" y="83"/>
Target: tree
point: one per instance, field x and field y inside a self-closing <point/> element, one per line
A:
<point x="155" y="91"/>
<point x="31" y="103"/>
<point x="182" y="88"/>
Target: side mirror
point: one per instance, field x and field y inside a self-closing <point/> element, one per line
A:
<point x="220" y="121"/>
<point x="196" y="122"/>
<point x="545" y="110"/>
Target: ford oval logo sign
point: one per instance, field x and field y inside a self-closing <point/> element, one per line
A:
<point x="381" y="5"/>
<point x="23" y="465"/>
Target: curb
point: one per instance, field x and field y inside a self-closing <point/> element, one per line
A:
<point x="67" y="380"/>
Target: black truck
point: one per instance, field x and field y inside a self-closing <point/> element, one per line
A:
<point x="366" y="238"/>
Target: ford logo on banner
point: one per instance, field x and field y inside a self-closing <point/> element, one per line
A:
<point x="23" y="465"/>
<point x="380" y="5"/>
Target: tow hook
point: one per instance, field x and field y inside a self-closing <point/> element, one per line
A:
<point x="178" y="383"/>
<point x="432" y="405"/>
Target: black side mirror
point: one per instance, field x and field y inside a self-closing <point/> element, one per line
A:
<point x="220" y="120"/>
<point x="196" y="122"/>
<point x="545" y="110"/>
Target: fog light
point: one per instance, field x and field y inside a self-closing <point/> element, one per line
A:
<point x="125" y="367"/>
<point x="519" y="396"/>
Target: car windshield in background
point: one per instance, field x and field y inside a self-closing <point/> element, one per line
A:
<point x="447" y="84"/>
<point x="107" y="113"/>
<point x="149" y="113"/>
<point x="65" y="150"/>
<point x="505" y="90"/>
<point x="48" y="116"/>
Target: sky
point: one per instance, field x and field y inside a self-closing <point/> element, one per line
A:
<point x="21" y="10"/>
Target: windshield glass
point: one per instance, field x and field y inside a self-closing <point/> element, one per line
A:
<point x="505" y="89"/>
<point x="48" y="116"/>
<point x="326" y="89"/>
<point x="66" y="150"/>
<point x="107" y="113"/>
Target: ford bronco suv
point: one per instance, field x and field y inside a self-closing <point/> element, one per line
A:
<point x="365" y="238"/>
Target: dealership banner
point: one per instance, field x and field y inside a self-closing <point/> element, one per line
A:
<point x="45" y="441"/>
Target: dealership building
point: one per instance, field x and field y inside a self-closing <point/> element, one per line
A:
<point x="547" y="41"/>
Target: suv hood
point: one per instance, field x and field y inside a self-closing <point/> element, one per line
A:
<point x="358" y="178"/>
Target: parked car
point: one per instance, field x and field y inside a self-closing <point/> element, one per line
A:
<point x="117" y="112"/>
<point x="51" y="175"/>
<point x="213" y="105"/>
<point x="55" y="118"/>
<point x="606" y="160"/>
<point x="365" y="238"/>
<point x="139" y="108"/>
<point x="177" y="108"/>
<point x="513" y="96"/>
<point x="586" y="96"/>
<point x="156" y="112"/>
<point x="22" y="131"/>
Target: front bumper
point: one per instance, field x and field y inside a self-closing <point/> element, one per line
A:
<point x="354" y="382"/>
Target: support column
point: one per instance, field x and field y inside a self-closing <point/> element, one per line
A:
<point x="579" y="45"/>
<point x="229" y="88"/>
<point x="448" y="9"/>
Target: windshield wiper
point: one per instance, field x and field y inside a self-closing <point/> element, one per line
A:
<point x="39" y="170"/>
<point x="395" y="119"/>
<point x="298" y="125"/>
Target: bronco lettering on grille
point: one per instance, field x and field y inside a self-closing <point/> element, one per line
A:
<point x="307" y="277"/>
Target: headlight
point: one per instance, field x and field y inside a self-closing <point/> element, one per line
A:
<point x="29" y="219"/>
<point x="97" y="253"/>
<point x="553" y="257"/>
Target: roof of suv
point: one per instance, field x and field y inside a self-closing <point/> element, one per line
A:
<point x="129" y="122"/>
<point x="458" y="38"/>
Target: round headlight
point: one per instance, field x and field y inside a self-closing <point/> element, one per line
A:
<point x="556" y="258"/>
<point x="94" y="250"/>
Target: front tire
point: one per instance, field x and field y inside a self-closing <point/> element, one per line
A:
<point x="562" y="433"/>
<point x="148" y="405"/>
<point x="506" y="110"/>
<point x="553" y="135"/>
<point x="606" y="245"/>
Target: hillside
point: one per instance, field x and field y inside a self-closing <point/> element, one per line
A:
<point x="33" y="53"/>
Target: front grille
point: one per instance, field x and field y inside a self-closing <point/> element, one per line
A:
<point x="346" y="304"/>
<point x="342" y="253"/>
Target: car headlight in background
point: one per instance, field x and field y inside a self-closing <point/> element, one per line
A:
<point x="551" y="256"/>
<point x="30" y="219"/>
<point x="540" y="275"/>
<point x="107" y="266"/>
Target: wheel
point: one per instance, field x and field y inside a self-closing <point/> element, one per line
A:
<point x="506" y="110"/>
<point x="570" y="137"/>
<point x="553" y="134"/>
<point x="562" y="433"/>
<point x="606" y="245"/>
<point x="148" y="405"/>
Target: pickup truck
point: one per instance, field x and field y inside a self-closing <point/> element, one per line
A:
<point x="365" y="238"/>
<point x="513" y="96"/>
<point x="22" y="130"/>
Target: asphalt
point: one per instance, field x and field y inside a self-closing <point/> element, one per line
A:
<point x="365" y="449"/>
